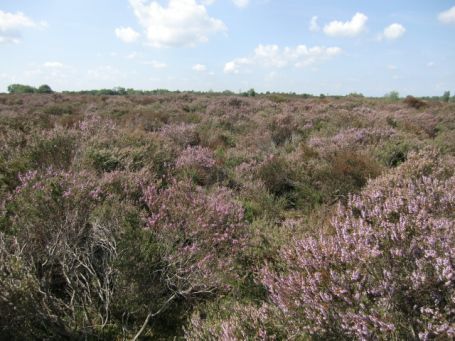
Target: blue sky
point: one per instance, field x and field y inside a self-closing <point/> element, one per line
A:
<point x="331" y="47"/>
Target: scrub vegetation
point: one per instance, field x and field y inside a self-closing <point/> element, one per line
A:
<point x="221" y="216"/>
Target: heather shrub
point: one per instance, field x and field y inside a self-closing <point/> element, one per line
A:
<point x="213" y="136"/>
<point x="277" y="175"/>
<point x="395" y="152"/>
<point x="59" y="109"/>
<point x="198" y="163"/>
<point x="385" y="269"/>
<point x="353" y="138"/>
<point x="54" y="148"/>
<point x="66" y="229"/>
<point x="446" y="141"/>
<point x="282" y="128"/>
<point x="103" y="160"/>
<point x="65" y="254"/>
<point x="199" y="234"/>
<point x="234" y="321"/>
<point x="259" y="202"/>
<point x="183" y="135"/>
<point x="130" y="151"/>
<point x="350" y="171"/>
<point x="413" y="102"/>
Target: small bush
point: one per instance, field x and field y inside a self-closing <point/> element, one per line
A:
<point x="414" y="102"/>
<point x="59" y="110"/>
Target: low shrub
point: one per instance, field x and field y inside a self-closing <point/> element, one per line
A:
<point x="386" y="268"/>
<point x="414" y="102"/>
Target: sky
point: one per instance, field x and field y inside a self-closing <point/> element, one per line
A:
<point x="303" y="46"/>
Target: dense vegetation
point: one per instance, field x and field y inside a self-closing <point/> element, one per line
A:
<point x="226" y="217"/>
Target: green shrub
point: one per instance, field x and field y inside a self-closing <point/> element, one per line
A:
<point x="395" y="152"/>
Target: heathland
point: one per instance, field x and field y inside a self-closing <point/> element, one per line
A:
<point x="218" y="216"/>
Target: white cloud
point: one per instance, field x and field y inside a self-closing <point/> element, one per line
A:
<point x="132" y="55"/>
<point x="392" y="67"/>
<point x="181" y="23"/>
<point x="314" y="26"/>
<point x="447" y="17"/>
<point x="127" y="34"/>
<point x="272" y="56"/>
<point x="430" y="64"/>
<point x="241" y="3"/>
<point x="199" y="68"/>
<point x="11" y="23"/>
<point x="350" y="28"/>
<point x="235" y="65"/>
<point x="156" y="64"/>
<point x="53" y="65"/>
<point x="9" y="39"/>
<point x="394" y="31"/>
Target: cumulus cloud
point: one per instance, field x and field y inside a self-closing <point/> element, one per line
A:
<point x="350" y="28"/>
<point x="180" y="23"/>
<point x="12" y="23"/>
<point x="127" y="34"/>
<point x="447" y="17"/>
<point x="234" y="65"/>
<point x="199" y="68"/>
<point x="241" y="3"/>
<point x="394" y="31"/>
<point x="314" y="26"/>
<point x="272" y="56"/>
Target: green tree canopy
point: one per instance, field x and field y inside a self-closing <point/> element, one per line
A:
<point x="44" y="89"/>
<point x="21" y="89"/>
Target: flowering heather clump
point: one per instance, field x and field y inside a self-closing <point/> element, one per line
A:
<point x="388" y="268"/>
<point x="242" y="322"/>
<point x="199" y="233"/>
<point x="198" y="156"/>
<point x="182" y="134"/>
<point x="350" y="138"/>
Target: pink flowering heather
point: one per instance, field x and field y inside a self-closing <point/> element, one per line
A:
<point x="200" y="234"/>
<point x="182" y="134"/>
<point x="244" y="322"/>
<point x="198" y="156"/>
<point x="353" y="138"/>
<point x="387" y="269"/>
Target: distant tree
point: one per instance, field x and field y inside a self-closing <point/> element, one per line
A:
<point x="251" y="92"/>
<point x="120" y="91"/>
<point x="446" y="96"/>
<point x="21" y="89"/>
<point x="44" y="89"/>
<point x="392" y="95"/>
